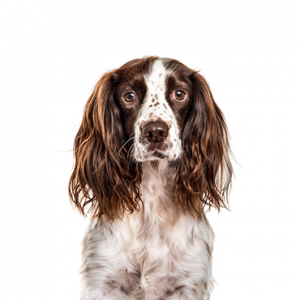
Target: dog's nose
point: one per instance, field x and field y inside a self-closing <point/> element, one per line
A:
<point x="155" y="132"/>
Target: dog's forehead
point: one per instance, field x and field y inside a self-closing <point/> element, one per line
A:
<point x="149" y="75"/>
<point x="154" y="70"/>
<point x="156" y="79"/>
<point x="166" y="73"/>
<point x="137" y="67"/>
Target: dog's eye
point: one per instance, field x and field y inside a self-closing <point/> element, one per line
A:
<point x="179" y="95"/>
<point x="129" y="97"/>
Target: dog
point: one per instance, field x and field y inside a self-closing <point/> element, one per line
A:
<point x="152" y="152"/>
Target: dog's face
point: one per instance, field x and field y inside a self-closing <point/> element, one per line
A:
<point x="155" y="101"/>
<point x="150" y="109"/>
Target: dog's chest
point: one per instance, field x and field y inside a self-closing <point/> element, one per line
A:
<point x="154" y="253"/>
<point x="152" y="235"/>
<point x="166" y="249"/>
<point x="148" y="257"/>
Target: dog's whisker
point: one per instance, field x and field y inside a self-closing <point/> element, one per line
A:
<point x="129" y="154"/>
<point x="125" y="144"/>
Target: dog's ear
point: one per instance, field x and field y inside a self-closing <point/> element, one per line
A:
<point x="101" y="182"/>
<point x="205" y="171"/>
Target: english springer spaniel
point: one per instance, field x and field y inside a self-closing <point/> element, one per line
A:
<point x="151" y="153"/>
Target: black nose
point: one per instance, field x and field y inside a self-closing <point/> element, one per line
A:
<point x="155" y="132"/>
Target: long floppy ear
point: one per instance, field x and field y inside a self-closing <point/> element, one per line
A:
<point x="204" y="174"/>
<point x="101" y="182"/>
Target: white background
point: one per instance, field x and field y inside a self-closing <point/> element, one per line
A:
<point x="52" y="54"/>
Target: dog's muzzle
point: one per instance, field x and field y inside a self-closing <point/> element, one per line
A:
<point x="156" y="133"/>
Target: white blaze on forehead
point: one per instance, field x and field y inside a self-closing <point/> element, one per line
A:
<point x="156" y="107"/>
<point x="157" y="78"/>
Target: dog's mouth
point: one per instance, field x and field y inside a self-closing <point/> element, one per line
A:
<point x="155" y="147"/>
<point x="156" y="154"/>
<point x="156" y="151"/>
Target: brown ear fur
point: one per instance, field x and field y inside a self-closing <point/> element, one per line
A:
<point x="204" y="172"/>
<point x="101" y="182"/>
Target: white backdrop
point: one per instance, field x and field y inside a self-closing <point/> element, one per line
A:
<point x="51" y="55"/>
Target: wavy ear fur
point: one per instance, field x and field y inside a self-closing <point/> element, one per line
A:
<point x="204" y="174"/>
<point x="101" y="182"/>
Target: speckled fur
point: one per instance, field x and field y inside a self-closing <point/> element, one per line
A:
<point x="157" y="252"/>
<point x="156" y="108"/>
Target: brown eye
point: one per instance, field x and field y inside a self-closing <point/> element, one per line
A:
<point x="179" y="95"/>
<point x="129" y="97"/>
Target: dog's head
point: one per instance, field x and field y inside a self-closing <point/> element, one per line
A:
<point x="150" y="109"/>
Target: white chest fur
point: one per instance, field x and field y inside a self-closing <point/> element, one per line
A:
<point x="156" y="253"/>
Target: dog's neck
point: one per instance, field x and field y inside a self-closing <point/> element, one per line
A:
<point x="157" y="191"/>
<point x="158" y="177"/>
